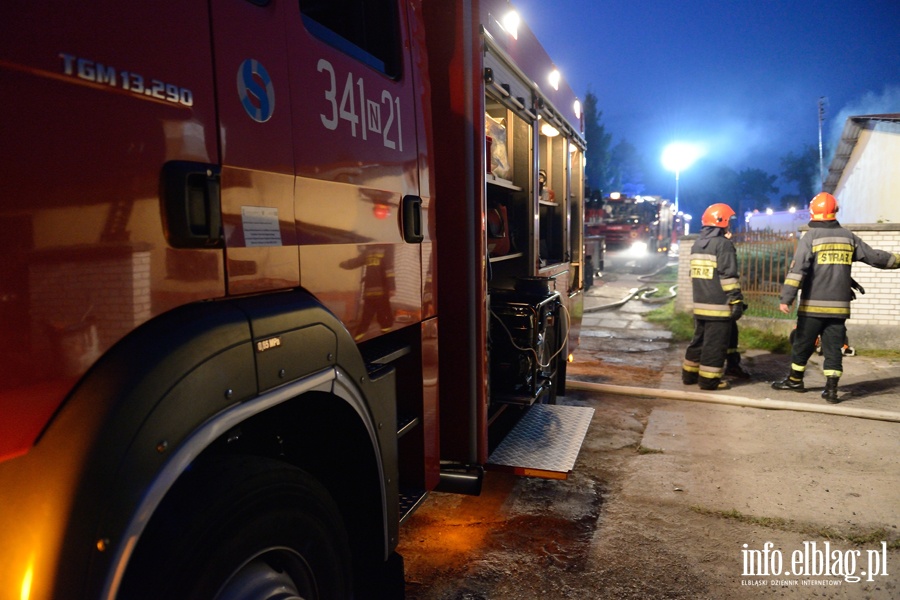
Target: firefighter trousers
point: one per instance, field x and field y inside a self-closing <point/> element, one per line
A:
<point x="714" y="342"/>
<point x="833" y="333"/>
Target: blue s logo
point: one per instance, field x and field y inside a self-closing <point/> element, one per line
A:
<point x="255" y="90"/>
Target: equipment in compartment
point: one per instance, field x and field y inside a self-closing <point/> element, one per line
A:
<point x="526" y="338"/>
<point x="498" y="231"/>
<point x="495" y="131"/>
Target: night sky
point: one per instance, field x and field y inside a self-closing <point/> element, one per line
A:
<point x="741" y="77"/>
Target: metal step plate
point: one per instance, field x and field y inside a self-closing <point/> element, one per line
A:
<point x="410" y="500"/>
<point x="545" y="443"/>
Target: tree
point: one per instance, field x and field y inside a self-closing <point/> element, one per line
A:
<point x="596" y="170"/>
<point x="626" y="169"/>
<point x="743" y="191"/>
<point x="802" y="169"/>
<point x="754" y="187"/>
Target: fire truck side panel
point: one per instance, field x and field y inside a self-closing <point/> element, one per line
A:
<point x="425" y="141"/>
<point x="102" y="117"/>
<point x="84" y="259"/>
<point x="253" y="87"/>
<point x="430" y="434"/>
<point x="454" y="52"/>
<point x="356" y="160"/>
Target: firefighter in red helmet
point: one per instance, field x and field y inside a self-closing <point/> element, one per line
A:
<point x="820" y="270"/>
<point x="718" y="304"/>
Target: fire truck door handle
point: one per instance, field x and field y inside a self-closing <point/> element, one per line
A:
<point x="190" y="195"/>
<point x="412" y="220"/>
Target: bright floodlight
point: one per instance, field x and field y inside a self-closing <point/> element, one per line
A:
<point x="554" y="78"/>
<point x="511" y="22"/>
<point x="678" y="156"/>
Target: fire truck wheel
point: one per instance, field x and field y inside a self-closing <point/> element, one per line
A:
<point x="244" y="527"/>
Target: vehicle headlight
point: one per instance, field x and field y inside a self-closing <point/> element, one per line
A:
<point x="638" y="248"/>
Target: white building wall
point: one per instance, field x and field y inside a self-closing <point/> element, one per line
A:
<point x="868" y="188"/>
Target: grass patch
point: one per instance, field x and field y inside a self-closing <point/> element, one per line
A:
<point x="682" y="327"/>
<point x="661" y="281"/>
<point x="875" y="353"/>
<point x="876" y="536"/>
<point x="767" y="306"/>
<point x="763" y="340"/>
<point x="771" y="522"/>
<point x="680" y="324"/>
<point x="666" y="275"/>
<point x="659" y="291"/>
<point x="859" y="538"/>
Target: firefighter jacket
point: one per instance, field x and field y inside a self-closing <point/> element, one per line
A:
<point x="378" y="276"/>
<point x="821" y="266"/>
<point x="714" y="275"/>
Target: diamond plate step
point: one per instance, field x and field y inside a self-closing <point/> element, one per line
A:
<point x="410" y="500"/>
<point x="545" y="443"/>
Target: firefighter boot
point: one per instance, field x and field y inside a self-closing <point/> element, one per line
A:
<point x="733" y="366"/>
<point x="792" y="382"/>
<point x="831" y="390"/>
<point x="714" y="384"/>
<point x="689" y="377"/>
<point x="737" y="371"/>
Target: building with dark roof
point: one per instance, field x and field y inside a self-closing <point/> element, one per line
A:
<point x="864" y="174"/>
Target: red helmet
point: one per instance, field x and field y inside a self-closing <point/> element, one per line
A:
<point x="717" y="215"/>
<point x="823" y="207"/>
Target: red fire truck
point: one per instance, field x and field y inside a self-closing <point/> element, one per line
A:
<point x="636" y="229"/>
<point x="271" y="272"/>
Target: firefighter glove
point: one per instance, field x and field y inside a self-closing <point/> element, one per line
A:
<point x="737" y="310"/>
<point x="855" y="287"/>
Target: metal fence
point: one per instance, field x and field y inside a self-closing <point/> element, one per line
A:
<point x="764" y="258"/>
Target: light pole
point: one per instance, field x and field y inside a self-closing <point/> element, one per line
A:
<point x="822" y="101"/>
<point x="677" y="157"/>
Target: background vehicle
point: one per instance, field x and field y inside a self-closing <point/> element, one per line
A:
<point x="249" y="311"/>
<point x="781" y="221"/>
<point x="638" y="230"/>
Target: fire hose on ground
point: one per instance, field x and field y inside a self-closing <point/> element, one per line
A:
<point x="730" y="400"/>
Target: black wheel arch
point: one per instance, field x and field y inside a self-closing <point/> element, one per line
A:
<point x="197" y="381"/>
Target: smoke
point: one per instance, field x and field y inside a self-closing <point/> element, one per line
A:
<point x="871" y="103"/>
<point x="887" y="102"/>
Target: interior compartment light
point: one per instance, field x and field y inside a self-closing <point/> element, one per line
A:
<point x="549" y="130"/>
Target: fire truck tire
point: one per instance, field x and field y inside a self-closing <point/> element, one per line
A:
<point x="243" y="527"/>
